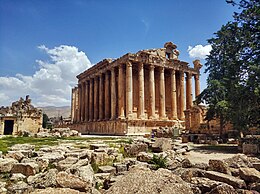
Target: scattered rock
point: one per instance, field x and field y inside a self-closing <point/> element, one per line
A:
<point x="107" y="169"/>
<point x="223" y="189"/>
<point x="66" y="163"/>
<point x="145" y="181"/>
<point x="219" y="166"/>
<point x="56" y="191"/>
<point x="144" y="157"/>
<point x="66" y="180"/>
<point x="135" y="148"/>
<point x="233" y="181"/>
<point x="162" y="144"/>
<point x="6" y="164"/>
<point x="26" y="169"/>
<point x="43" y="180"/>
<point x="249" y="175"/>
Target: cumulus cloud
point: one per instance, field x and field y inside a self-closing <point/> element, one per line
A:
<point x="51" y="84"/>
<point x="199" y="51"/>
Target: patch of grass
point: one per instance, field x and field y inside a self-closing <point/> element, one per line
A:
<point x="159" y="161"/>
<point x="8" y="141"/>
<point x="94" y="167"/>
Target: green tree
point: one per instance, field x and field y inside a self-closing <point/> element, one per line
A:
<point x="233" y="91"/>
<point x="45" y="119"/>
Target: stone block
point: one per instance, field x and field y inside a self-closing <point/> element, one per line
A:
<point x="249" y="174"/>
<point x="250" y="148"/>
<point x="225" y="178"/>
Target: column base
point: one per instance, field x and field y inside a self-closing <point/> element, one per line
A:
<point x="121" y="117"/>
<point x="152" y="117"/>
<point x="142" y="117"/>
<point x="163" y="117"/>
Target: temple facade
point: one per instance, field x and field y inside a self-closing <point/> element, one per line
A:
<point x="136" y="93"/>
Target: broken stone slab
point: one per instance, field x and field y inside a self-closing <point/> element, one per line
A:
<point x="2" y="187"/>
<point x="19" y="147"/>
<point x="186" y="163"/>
<point x="219" y="166"/>
<point x="98" y="146"/>
<point x="66" y="163"/>
<point x="135" y="148"/>
<point x="162" y="144"/>
<point x="17" y="177"/>
<point x="19" y="187"/>
<point x="56" y="191"/>
<point x="107" y="169"/>
<point x="6" y="164"/>
<point x="17" y="155"/>
<point x="87" y="174"/>
<point x="225" y="178"/>
<point x="120" y="168"/>
<point x="145" y="181"/>
<point x="249" y="174"/>
<point x="43" y="180"/>
<point x="67" y="180"/>
<point x="223" y="189"/>
<point x="144" y="157"/>
<point x="26" y="169"/>
<point x="204" y="184"/>
<point x="53" y="157"/>
<point x="237" y="161"/>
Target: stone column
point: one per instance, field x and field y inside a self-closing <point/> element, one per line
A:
<point x="182" y="95"/>
<point x="91" y="100"/>
<point x="188" y="91"/>
<point x="101" y="93"/>
<point x="80" y="102"/>
<point x="129" y="90"/>
<point x="141" y="91"/>
<point x="107" y="96"/>
<point x="151" y="93"/>
<point x="162" y="114"/>
<point x="96" y="105"/>
<point x="113" y="94"/>
<point x="73" y="107"/>
<point x="121" y="92"/>
<point x="173" y="96"/>
<point x="86" y="101"/>
<point x="83" y="101"/>
<point x="197" y="84"/>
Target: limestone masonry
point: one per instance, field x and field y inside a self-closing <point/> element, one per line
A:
<point x="136" y="93"/>
<point x="21" y="116"/>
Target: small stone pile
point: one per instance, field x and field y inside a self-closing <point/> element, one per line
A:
<point x="57" y="132"/>
<point x="131" y="167"/>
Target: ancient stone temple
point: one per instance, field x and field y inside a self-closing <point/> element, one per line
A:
<point x="135" y="93"/>
<point x="20" y="116"/>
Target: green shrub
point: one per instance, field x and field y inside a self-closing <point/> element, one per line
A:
<point x="159" y="161"/>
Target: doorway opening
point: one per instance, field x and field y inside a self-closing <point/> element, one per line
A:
<point x="9" y="127"/>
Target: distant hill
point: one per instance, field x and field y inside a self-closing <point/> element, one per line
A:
<point x="53" y="111"/>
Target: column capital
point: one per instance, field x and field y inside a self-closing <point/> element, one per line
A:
<point x="173" y="71"/>
<point x="140" y="65"/>
<point x="151" y="66"/>
<point x="188" y="75"/>
<point x="129" y="64"/>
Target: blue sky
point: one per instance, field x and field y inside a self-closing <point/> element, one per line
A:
<point x="32" y="60"/>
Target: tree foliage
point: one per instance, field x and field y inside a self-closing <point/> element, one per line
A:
<point x="233" y="91"/>
<point x="45" y="119"/>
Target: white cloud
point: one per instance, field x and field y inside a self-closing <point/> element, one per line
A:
<point x="51" y="84"/>
<point x="199" y="51"/>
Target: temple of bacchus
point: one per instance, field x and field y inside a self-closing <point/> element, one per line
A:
<point x="136" y="93"/>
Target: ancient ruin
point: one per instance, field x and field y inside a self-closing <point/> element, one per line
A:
<point x="20" y="116"/>
<point x="136" y="93"/>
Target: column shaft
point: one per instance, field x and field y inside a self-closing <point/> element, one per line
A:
<point x="129" y="90"/>
<point x="113" y="94"/>
<point x="173" y="96"/>
<point x="107" y="96"/>
<point x="86" y="101"/>
<point x="83" y="101"/>
<point x="141" y="91"/>
<point x="188" y="91"/>
<point x="91" y="100"/>
<point x="162" y="94"/>
<point x="96" y="105"/>
<point x="182" y="95"/>
<point x="80" y="102"/>
<point x="151" y="93"/>
<point x="121" y="92"/>
<point x="101" y="93"/>
<point x="197" y="85"/>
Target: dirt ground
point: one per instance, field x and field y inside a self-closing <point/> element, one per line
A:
<point x="203" y="153"/>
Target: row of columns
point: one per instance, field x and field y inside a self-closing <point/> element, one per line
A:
<point x="98" y="99"/>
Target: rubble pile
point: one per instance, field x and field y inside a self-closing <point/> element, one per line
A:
<point x="138" y="166"/>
